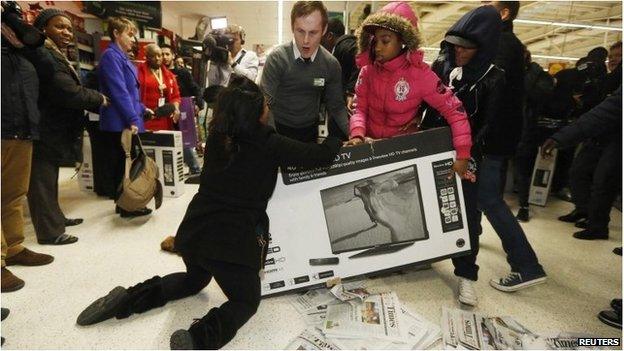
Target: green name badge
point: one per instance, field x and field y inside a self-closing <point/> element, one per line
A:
<point x="319" y="82"/>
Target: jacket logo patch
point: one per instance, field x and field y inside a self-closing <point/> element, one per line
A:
<point x="401" y="89"/>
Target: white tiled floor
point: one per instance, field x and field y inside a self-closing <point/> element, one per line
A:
<point x="583" y="278"/>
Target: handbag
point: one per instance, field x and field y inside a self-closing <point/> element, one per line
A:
<point x="140" y="183"/>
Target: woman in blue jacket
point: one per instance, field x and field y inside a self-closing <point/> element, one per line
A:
<point x="119" y="81"/>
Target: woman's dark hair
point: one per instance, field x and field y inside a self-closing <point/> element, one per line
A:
<point x="236" y="116"/>
<point x="238" y="108"/>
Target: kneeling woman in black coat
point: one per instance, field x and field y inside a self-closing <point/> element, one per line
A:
<point x="224" y="233"/>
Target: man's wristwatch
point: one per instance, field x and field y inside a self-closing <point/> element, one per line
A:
<point x="234" y="64"/>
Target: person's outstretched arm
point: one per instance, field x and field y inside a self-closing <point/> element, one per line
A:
<point x="290" y="152"/>
<point x="605" y="117"/>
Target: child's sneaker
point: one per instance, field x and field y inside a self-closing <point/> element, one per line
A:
<point x="467" y="294"/>
<point x="514" y="282"/>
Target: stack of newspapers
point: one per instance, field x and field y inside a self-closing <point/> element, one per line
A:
<point x="350" y="317"/>
<point x="468" y="330"/>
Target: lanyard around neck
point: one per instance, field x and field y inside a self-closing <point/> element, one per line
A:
<point x="158" y="75"/>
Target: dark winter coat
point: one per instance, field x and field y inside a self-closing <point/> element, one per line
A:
<point x="62" y="101"/>
<point x="510" y="59"/>
<point x="187" y="85"/>
<point x="613" y="81"/>
<point x="481" y="87"/>
<point x="538" y="87"/>
<point x="345" y="51"/>
<point x="20" y="92"/>
<point x="601" y="120"/>
<point x="227" y="220"/>
<point x="562" y="105"/>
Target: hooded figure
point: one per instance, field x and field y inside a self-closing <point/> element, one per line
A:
<point x="390" y="90"/>
<point x="476" y="83"/>
<point x="466" y="64"/>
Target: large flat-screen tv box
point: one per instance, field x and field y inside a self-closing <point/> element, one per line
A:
<point x="378" y="207"/>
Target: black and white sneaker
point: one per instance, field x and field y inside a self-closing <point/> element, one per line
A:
<point x="514" y="282"/>
<point x="611" y="318"/>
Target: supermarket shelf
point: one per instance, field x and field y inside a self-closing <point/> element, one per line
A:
<point x="85" y="48"/>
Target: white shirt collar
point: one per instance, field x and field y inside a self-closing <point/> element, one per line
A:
<point x="298" y="54"/>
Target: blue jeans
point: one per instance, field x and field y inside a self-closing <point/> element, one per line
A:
<point x="520" y="254"/>
<point x="190" y="158"/>
<point x="466" y="266"/>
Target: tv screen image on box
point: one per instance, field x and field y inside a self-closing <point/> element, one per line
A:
<point x="382" y="212"/>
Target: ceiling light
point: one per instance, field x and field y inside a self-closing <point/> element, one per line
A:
<point x="566" y="58"/>
<point x="555" y="57"/>
<point x="570" y="25"/>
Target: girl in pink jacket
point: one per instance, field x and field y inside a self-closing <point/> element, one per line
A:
<point x="394" y="81"/>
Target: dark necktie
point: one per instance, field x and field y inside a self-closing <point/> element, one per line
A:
<point x="306" y="60"/>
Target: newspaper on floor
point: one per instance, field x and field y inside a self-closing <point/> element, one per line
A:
<point x="311" y="339"/>
<point x="312" y="299"/>
<point x="378" y="316"/>
<point x="508" y="334"/>
<point x="421" y="335"/>
<point x="350" y="291"/>
<point x="421" y="332"/>
<point x="312" y="306"/>
<point x="464" y="329"/>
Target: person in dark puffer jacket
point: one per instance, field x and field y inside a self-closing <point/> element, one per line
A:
<point x="539" y="87"/>
<point x="466" y="65"/>
<point x="224" y="233"/>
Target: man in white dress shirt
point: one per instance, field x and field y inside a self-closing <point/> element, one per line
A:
<point x="243" y="62"/>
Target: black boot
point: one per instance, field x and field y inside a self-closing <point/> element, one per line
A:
<point x="573" y="216"/>
<point x="209" y="333"/>
<point x="103" y="308"/>
<point x="143" y="297"/>
<point x="121" y="302"/>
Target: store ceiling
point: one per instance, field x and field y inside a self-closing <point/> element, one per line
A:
<point x="549" y="40"/>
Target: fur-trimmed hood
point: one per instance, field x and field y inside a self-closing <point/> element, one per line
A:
<point x="397" y="17"/>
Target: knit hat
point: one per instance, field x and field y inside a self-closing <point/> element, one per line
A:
<point x="398" y="17"/>
<point x="46" y="15"/>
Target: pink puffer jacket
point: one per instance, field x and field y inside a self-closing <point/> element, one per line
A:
<point x="388" y="96"/>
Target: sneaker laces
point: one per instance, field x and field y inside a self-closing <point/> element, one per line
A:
<point x="510" y="277"/>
